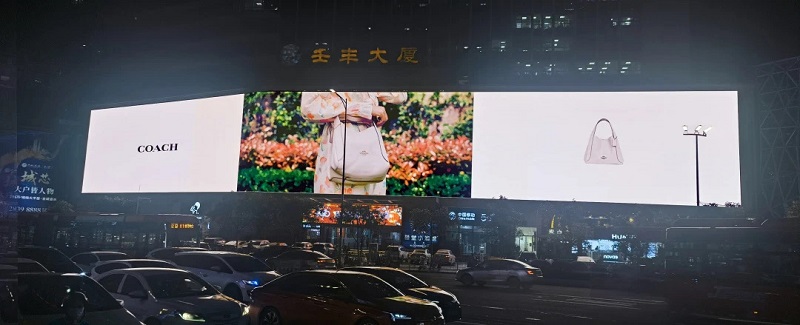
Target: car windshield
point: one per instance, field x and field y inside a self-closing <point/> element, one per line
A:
<point x="401" y="280"/>
<point x="368" y="287"/>
<point x="42" y="295"/>
<point x="178" y="284"/>
<point x="245" y="264"/>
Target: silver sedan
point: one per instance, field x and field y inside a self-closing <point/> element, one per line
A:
<point x="513" y="273"/>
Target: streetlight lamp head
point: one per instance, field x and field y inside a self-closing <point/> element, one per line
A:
<point x="698" y="128"/>
<point x="708" y="129"/>
<point x="331" y="90"/>
<point x="685" y="128"/>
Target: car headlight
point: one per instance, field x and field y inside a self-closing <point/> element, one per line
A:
<point x="245" y="310"/>
<point x="190" y="317"/>
<point x="253" y="283"/>
<point x="397" y="317"/>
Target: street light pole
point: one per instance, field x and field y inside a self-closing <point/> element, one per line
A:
<point x="697" y="133"/>
<point x="344" y="177"/>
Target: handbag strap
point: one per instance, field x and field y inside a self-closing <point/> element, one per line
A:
<point x="613" y="133"/>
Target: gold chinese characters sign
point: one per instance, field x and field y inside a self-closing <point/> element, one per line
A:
<point x="175" y="225"/>
<point x="377" y="56"/>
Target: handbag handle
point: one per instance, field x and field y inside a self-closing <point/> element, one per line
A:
<point x="613" y="133"/>
<point x="344" y="124"/>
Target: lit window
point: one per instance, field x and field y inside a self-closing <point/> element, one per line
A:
<point x="523" y="22"/>
<point x="562" y="22"/>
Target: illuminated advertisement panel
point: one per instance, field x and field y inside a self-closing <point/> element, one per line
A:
<point x="622" y="147"/>
<point x="384" y="215"/>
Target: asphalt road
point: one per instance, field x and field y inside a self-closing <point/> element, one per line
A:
<point x="548" y="304"/>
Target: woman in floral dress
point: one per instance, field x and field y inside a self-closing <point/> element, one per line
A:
<point x="362" y="107"/>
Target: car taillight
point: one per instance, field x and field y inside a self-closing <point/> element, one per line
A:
<point x="531" y="272"/>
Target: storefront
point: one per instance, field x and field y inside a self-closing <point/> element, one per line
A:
<point x="625" y="245"/>
<point x="369" y="224"/>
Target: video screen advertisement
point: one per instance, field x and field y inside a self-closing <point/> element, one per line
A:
<point x="620" y="147"/>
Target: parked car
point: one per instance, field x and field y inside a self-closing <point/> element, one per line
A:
<point x="303" y="245"/>
<point x="324" y="248"/>
<point x="444" y="257"/>
<point x="299" y="260"/>
<point x="397" y="252"/>
<point x="167" y="253"/>
<point x="41" y="294"/>
<point x="412" y="286"/>
<point x="270" y="251"/>
<point x="172" y="296"/>
<point x="513" y="273"/>
<point x="337" y="297"/>
<point x="24" y="265"/>
<point x="419" y="256"/>
<point x="51" y="258"/>
<point x="527" y="257"/>
<point x="86" y="261"/>
<point x="233" y="273"/>
<point x="258" y="243"/>
<point x="104" y="267"/>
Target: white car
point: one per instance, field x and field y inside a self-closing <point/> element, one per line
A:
<point x="419" y="256"/>
<point x="86" y="261"/>
<point x="445" y="257"/>
<point x="167" y="253"/>
<point x="172" y="296"/>
<point x="104" y="267"/>
<point x="236" y="275"/>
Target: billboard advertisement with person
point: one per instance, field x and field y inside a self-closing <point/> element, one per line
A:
<point x="621" y="147"/>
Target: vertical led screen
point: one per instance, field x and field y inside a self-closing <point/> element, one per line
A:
<point x="27" y="172"/>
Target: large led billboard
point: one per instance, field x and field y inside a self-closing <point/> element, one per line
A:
<point x="183" y="146"/>
<point x="534" y="146"/>
<point x="551" y="146"/>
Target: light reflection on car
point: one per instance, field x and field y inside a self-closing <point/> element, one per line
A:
<point x="338" y="297"/>
<point x="171" y="296"/>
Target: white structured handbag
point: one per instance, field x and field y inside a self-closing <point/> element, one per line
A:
<point x="366" y="159"/>
<point x="603" y="151"/>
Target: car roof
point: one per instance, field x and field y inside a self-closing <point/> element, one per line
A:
<point x="101" y="252"/>
<point x="133" y="260"/>
<point x="178" y="247"/>
<point x="333" y="272"/>
<point x="146" y="271"/>
<point x="212" y="253"/>
<point x="51" y="275"/>
<point x="17" y="260"/>
<point x="379" y="268"/>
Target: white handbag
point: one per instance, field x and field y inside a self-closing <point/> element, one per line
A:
<point x="603" y="151"/>
<point x="366" y="159"/>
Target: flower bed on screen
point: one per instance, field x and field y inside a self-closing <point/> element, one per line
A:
<point x="428" y="140"/>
